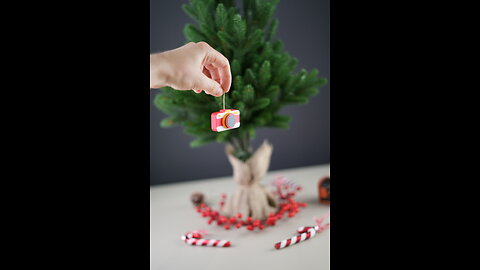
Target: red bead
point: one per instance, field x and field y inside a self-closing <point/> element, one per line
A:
<point x="232" y="220"/>
<point x="238" y="225"/>
<point x="198" y="209"/>
<point x="249" y="219"/>
<point x="271" y="221"/>
<point x="224" y="195"/>
<point x="250" y="227"/>
<point x="222" y="203"/>
<point x="256" y="223"/>
<point x="203" y="205"/>
<point x="227" y="227"/>
<point x="239" y="215"/>
<point x="210" y="221"/>
<point x="299" y="188"/>
<point x="291" y="214"/>
<point x="261" y="226"/>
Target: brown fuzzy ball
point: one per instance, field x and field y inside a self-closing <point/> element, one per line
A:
<point x="197" y="198"/>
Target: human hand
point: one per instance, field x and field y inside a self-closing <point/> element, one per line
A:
<point x="194" y="66"/>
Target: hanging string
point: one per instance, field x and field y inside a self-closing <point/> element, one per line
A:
<point x="224" y="101"/>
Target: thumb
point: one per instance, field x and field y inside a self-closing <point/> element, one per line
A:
<point x="208" y="85"/>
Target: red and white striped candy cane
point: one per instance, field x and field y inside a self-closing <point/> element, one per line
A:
<point x="306" y="228"/>
<point x="194" y="239"/>
<point x="281" y="180"/>
<point x="307" y="233"/>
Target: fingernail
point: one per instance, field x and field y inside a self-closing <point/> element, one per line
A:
<point x="219" y="92"/>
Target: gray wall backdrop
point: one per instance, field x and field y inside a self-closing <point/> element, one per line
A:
<point x="305" y="30"/>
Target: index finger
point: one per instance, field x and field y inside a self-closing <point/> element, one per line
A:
<point x="216" y="60"/>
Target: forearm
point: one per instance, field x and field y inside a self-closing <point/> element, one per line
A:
<point x="159" y="70"/>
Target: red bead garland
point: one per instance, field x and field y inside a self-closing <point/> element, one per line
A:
<point x="288" y="207"/>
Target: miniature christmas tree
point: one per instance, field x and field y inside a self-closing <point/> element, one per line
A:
<point x="263" y="79"/>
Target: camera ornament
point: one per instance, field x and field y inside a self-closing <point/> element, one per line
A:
<point x="225" y="119"/>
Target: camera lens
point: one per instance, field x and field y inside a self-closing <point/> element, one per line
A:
<point x="230" y="120"/>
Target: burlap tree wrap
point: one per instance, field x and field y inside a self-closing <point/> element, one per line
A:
<point x="250" y="198"/>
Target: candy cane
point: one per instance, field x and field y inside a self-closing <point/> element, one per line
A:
<point x="281" y="180"/>
<point x="306" y="228"/>
<point x="311" y="231"/>
<point x="282" y="184"/>
<point x="194" y="239"/>
<point x="305" y="232"/>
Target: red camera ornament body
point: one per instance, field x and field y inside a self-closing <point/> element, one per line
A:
<point x="225" y="119"/>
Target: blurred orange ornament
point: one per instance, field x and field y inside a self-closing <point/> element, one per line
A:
<point x="324" y="190"/>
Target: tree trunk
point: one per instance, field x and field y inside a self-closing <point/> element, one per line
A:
<point x="250" y="197"/>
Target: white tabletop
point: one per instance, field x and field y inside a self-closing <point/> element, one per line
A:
<point x="172" y="214"/>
